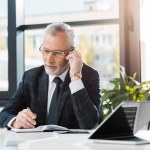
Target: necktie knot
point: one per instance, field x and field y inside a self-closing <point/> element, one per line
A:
<point x="57" y="80"/>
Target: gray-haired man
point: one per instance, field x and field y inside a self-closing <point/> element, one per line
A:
<point x="78" y="102"/>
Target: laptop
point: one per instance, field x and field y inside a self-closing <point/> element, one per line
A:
<point x="122" y="124"/>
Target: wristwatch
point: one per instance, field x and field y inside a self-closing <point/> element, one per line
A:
<point x="77" y="74"/>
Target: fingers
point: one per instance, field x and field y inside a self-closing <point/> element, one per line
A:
<point x="74" y="58"/>
<point x="29" y="113"/>
<point x="25" y="119"/>
<point x="75" y="52"/>
<point x="72" y="54"/>
<point x="22" y="122"/>
<point x="29" y="116"/>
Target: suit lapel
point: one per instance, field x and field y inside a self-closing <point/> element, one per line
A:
<point x="63" y="95"/>
<point x="43" y="94"/>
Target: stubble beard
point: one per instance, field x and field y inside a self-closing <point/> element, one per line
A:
<point x="58" y="71"/>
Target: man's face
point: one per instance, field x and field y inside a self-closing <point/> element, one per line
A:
<point x="60" y="42"/>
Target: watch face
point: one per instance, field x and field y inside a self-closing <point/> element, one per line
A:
<point x="77" y="74"/>
<point x="80" y="75"/>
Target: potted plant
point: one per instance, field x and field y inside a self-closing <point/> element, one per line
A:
<point x="124" y="88"/>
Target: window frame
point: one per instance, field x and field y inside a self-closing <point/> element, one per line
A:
<point x="16" y="29"/>
<point x="15" y="48"/>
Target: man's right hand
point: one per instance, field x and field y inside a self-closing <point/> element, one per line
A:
<point x="24" y="119"/>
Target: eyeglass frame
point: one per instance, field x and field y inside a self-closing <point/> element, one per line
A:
<point x="65" y="52"/>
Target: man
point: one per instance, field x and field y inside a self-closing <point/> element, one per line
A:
<point x="78" y="103"/>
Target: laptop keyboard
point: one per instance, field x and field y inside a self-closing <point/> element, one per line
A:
<point x="130" y="115"/>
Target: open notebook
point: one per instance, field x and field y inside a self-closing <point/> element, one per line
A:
<point x="50" y="128"/>
<point x="122" y="124"/>
<point x="43" y="128"/>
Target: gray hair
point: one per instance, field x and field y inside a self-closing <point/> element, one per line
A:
<point x="54" y="28"/>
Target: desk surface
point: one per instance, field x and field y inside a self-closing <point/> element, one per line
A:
<point x="55" y="141"/>
<point x="12" y="139"/>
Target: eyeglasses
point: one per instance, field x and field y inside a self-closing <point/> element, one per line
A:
<point x="56" y="53"/>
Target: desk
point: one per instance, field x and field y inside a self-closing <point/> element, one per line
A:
<point x="12" y="139"/>
<point x="55" y="141"/>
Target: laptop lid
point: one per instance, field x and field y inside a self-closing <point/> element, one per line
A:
<point x="123" y="122"/>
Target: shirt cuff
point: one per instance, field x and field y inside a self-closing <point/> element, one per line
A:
<point x="76" y="85"/>
<point x="10" y="122"/>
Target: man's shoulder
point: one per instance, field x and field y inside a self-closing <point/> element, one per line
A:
<point x="88" y="72"/>
<point x="35" y="71"/>
<point x="87" y="68"/>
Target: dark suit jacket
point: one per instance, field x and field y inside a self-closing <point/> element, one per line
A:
<point x="78" y="110"/>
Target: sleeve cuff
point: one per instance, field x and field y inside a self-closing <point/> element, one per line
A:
<point x="10" y="122"/>
<point x="76" y="85"/>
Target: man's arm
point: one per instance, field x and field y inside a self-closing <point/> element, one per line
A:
<point x="86" y="103"/>
<point x="13" y="106"/>
<point x="86" y="99"/>
<point x="16" y="107"/>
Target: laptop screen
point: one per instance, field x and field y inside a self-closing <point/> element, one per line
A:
<point x="120" y="124"/>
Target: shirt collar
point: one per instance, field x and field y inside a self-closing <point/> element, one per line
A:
<point x="61" y="76"/>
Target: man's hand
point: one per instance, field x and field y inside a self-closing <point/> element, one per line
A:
<point x="75" y="61"/>
<point x="24" y="119"/>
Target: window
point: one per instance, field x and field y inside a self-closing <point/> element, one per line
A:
<point x="69" y="10"/>
<point x="144" y="39"/>
<point x="102" y="36"/>
<point x="103" y="57"/>
<point x="4" y="84"/>
<point x="98" y="44"/>
<point x="32" y="43"/>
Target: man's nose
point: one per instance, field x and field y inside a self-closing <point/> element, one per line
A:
<point x="50" y="56"/>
